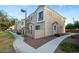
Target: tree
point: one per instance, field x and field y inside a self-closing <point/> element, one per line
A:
<point x="5" y="21"/>
<point x="76" y="24"/>
<point x="70" y="26"/>
<point x="12" y="20"/>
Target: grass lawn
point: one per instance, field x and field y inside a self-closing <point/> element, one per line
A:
<point x="69" y="45"/>
<point x="6" y="40"/>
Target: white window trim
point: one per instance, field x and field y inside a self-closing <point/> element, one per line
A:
<point x="38" y="17"/>
<point x="56" y="27"/>
<point x="40" y="21"/>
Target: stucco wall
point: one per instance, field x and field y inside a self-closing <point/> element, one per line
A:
<point x="40" y="33"/>
<point x="37" y="33"/>
<point x="51" y="17"/>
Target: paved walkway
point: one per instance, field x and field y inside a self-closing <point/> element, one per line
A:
<point x="21" y="47"/>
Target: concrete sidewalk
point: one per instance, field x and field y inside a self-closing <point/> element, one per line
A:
<point x="21" y="47"/>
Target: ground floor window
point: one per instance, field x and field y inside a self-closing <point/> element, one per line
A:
<point x="55" y="27"/>
<point x="37" y="27"/>
<point x="31" y="29"/>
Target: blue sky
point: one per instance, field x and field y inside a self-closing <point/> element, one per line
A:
<point x="68" y="11"/>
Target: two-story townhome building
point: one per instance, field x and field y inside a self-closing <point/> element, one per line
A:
<point x="45" y="22"/>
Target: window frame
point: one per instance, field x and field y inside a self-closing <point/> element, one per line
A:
<point x="37" y="27"/>
<point x="55" y="27"/>
<point x="41" y="16"/>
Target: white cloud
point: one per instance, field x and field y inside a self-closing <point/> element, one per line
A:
<point x="61" y="6"/>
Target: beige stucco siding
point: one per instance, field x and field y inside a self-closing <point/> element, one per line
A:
<point x="38" y="11"/>
<point x="33" y="17"/>
<point x="31" y="32"/>
<point x="46" y="25"/>
<point x="40" y="33"/>
<point x="50" y="18"/>
<point x="37" y="33"/>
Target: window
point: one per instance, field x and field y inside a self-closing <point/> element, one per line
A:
<point x="22" y="22"/>
<point x="41" y="16"/>
<point x="32" y="18"/>
<point x="31" y="29"/>
<point x="37" y="27"/>
<point x="54" y="27"/>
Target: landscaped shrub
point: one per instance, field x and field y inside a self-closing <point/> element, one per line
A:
<point x="75" y="36"/>
<point x="69" y="47"/>
<point x="19" y="33"/>
<point x="57" y="35"/>
<point x="73" y="30"/>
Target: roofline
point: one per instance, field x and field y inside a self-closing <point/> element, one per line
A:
<point x="49" y="9"/>
<point x="36" y="9"/>
<point x="55" y="11"/>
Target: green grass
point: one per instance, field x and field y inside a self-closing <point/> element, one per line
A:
<point x="69" y="47"/>
<point x="6" y="40"/>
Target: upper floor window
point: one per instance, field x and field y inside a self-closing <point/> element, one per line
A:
<point x="32" y="18"/>
<point x="41" y="14"/>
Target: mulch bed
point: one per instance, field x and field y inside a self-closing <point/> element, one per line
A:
<point x="73" y="39"/>
<point x="36" y="43"/>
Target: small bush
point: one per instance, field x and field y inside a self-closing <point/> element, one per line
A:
<point x="69" y="47"/>
<point x="57" y="35"/>
<point x="19" y="33"/>
<point x="75" y="36"/>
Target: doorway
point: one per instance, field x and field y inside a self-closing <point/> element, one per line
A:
<point x="55" y="28"/>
